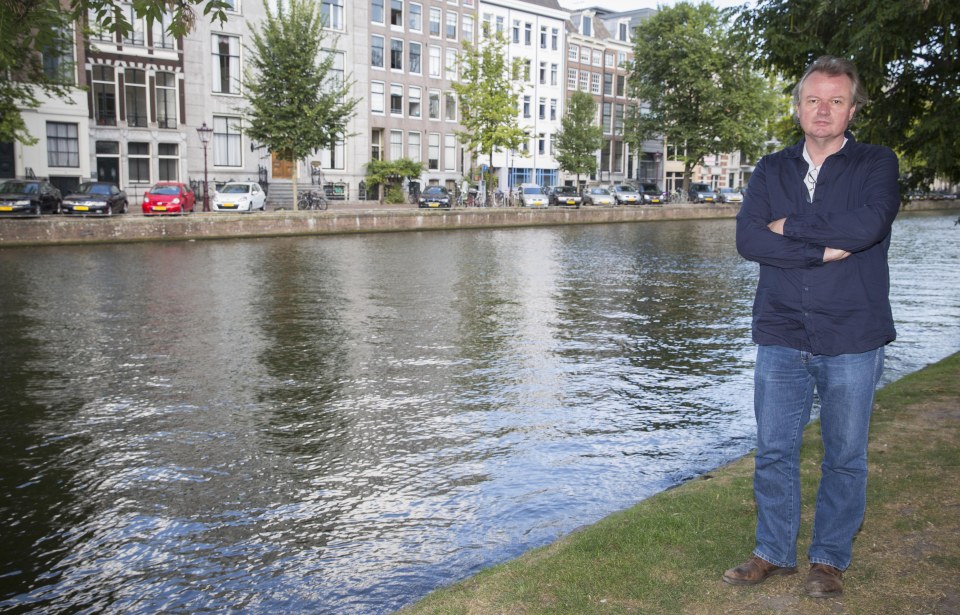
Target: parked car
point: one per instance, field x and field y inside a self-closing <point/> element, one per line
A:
<point x="239" y="196"/>
<point x="651" y="194"/>
<point x="729" y="195"/>
<point x="564" y="195"/>
<point x="531" y="195"/>
<point x="701" y="193"/>
<point x="29" y="197"/>
<point x="435" y="196"/>
<point x="625" y="194"/>
<point x="168" y="198"/>
<point x="99" y="198"/>
<point x="597" y="196"/>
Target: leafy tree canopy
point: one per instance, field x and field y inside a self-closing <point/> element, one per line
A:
<point x="32" y="31"/>
<point x="488" y="92"/>
<point x="579" y="137"/>
<point x="297" y="103"/>
<point x="908" y="58"/>
<point x="702" y="91"/>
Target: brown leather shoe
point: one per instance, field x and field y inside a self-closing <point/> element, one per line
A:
<point x="824" y="581"/>
<point x="755" y="570"/>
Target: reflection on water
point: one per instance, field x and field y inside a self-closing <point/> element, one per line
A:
<point x="344" y="424"/>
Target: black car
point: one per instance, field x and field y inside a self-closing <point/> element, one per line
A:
<point x="652" y="194"/>
<point x="435" y="196"/>
<point x="29" y="197"/>
<point x="101" y="198"/>
<point x="564" y="195"/>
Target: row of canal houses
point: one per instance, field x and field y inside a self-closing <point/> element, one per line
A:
<point x="133" y="117"/>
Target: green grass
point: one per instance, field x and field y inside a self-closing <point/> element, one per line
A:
<point x="666" y="554"/>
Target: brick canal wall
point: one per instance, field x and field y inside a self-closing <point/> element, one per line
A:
<point x="53" y="230"/>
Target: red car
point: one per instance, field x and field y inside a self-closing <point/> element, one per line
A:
<point x="168" y="198"/>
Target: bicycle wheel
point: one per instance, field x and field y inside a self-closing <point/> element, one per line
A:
<point x="322" y="202"/>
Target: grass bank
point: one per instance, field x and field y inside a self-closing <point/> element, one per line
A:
<point x="666" y="554"/>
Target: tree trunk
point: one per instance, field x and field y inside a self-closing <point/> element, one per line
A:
<point x="296" y="180"/>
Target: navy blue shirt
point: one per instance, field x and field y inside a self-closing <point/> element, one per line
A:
<point x="840" y="307"/>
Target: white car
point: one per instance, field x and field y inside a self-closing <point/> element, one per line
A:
<point x="240" y="196"/>
<point x="531" y="195"/>
<point x="597" y="196"/>
<point x="730" y="195"/>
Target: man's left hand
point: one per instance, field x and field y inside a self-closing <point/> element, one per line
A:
<point x="777" y="226"/>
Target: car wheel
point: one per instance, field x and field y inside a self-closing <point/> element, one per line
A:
<point x="124" y="207"/>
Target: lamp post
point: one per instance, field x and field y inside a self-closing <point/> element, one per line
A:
<point x="204" y="133"/>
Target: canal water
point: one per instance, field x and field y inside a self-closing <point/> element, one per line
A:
<point x="342" y="424"/>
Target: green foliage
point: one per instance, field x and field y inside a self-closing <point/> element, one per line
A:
<point x="908" y="57"/>
<point x="702" y="89"/>
<point x="296" y="106"/>
<point x="30" y="29"/>
<point x="488" y="92"/>
<point x="579" y="137"/>
<point x="391" y="173"/>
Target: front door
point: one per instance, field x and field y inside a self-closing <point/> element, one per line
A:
<point x="108" y="169"/>
<point x="282" y="169"/>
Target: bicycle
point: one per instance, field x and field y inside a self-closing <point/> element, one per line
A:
<point x="312" y="199"/>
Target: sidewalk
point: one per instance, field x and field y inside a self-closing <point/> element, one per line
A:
<point x="666" y="555"/>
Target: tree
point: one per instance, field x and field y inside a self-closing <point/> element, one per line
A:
<point x="34" y="32"/>
<point x="579" y="137"/>
<point x="488" y="92"/>
<point x="908" y="57"/>
<point x="296" y="106"/>
<point x="699" y="86"/>
<point x="391" y="173"/>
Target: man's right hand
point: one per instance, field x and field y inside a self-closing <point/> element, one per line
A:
<point x="834" y="254"/>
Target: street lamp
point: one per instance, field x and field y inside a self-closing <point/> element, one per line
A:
<point x="204" y="133"/>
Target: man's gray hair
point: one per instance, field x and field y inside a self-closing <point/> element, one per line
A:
<point x="834" y="66"/>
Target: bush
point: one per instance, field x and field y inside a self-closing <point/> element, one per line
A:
<point x="395" y="195"/>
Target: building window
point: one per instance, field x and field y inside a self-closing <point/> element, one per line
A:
<point x="413" y="146"/>
<point x="587" y="26"/>
<point x="597" y="57"/>
<point x="433" y="104"/>
<point x="553" y="108"/>
<point x="433" y="152"/>
<point x="554" y="39"/>
<point x="595" y="83"/>
<point x="554" y="69"/>
<point x="451" y="33"/>
<point x="138" y="163"/>
<point x="376" y="11"/>
<point x="450" y="106"/>
<point x="542" y="109"/>
<point x="526" y="70"/>
<point x="227" y="150"/>
<point x="136" y="34"/>
<point x="168" y="162"/>
<point x="415" y="57"/>
<point x="468" y="28"/>
<point x="396" y="99"/>
<point x="585" y="81"/>
<point x="413" y="101"/>
<point x="526" y="106"/>
<point x="396" y="144"/>
<point x="332" y="13"/>
<point x="571" y="78"/>
<point x="621" y="85"/>
<point x="541" y="144"/>
<point x="434" y="24"/>
<point x="584" y="55"/>
<point x="543" y="37"/>
<point x="58" y="60"/>
<point x="376" y="144"/>
<point x="135" y="94"/>
<point x="376" y="97"/>
<point x="166" y="100"/>
<point x="451" y="64"/>
<point x="416" y="18"/>
<point x="516" y="31"/>
<point x="607" y="84"/>
<point x="396" y="13"/>
<point x="104" y="96"/>
<point x="543" y="73"/>
<point x="623" y="33"/>
<point x="499" y="26"/>
<point x="162" y="39"/>
<point x="605" y="117"/>
<point x="376" y="51"/>
<point x="618" y="119"/>
<point x="435" y="68"/>
<point x="226" y="64"/>
<point x="396" y="54"/>
<point x="609" y="60"/>
<point x="573" y="53"/>
<point x="97" y="31"/>
<point x="63" y="145"/>
<point x="449" y="152"/>
<point x="528" y="34"/>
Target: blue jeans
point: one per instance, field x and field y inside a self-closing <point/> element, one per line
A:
<point x="784" y="383"/>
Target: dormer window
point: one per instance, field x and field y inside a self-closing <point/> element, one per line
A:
<point x="623" y="32"/>
<point x="587" y="25"/>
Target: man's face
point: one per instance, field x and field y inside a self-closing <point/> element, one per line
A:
<point x="826" y="105"/>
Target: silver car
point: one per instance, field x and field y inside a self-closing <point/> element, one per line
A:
<point x="624" y="194"/>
